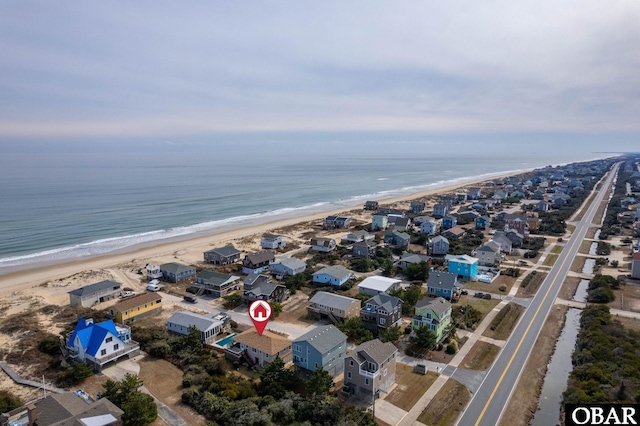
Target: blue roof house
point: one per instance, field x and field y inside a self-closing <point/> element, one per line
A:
<point x="462" y="265"/>
<point x="99" y="344"/>
<point x="442" y="284"/>
<point x="321" y="347"/>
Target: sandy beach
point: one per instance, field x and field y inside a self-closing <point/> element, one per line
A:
<point x="49" y="284"/>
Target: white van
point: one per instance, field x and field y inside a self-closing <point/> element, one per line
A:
<point x="153" y="287"/>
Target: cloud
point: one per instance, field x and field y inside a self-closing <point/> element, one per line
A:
<point x="163" y="69"/>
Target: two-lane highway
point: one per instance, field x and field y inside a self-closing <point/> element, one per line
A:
<point x="489" y="402"/>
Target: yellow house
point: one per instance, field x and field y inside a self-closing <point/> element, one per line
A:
<point x="136" y="307"/>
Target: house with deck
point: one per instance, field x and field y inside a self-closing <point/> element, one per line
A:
<point x="412" y="259"/>
<point x="92" y="294"/>
<point x="335" y="275"/>
<point x="266" y="291"/>
<point x="482" y="223"/>
<point x="417" y="207"/>
<point x="381" y="311"/>
<point x="462" y="265"/>
<point x="153" y="271"/>
<point x="323" y="245"/>
<point x="440" y="210"/>
<point x="222" y="255"/>
<point x="371" y="205"/>
<point x="369" y="368"/>
<point x="272" y="241"/>
<point x="449" y="221"/>
<point x="336" y="222"/>
<point x="377" y="284"/>
<point x="488" y="254"/>
<point x="357" y="236"/>
<point x="397" y="239"/>
<point x="474" y="193"/>
<point x="216" y="284"/>
<point x="97" y="344"/>
<point x="136" y="307"/>
<point x="255" y="279"/>
<point x="334" y="307"/>
<point x="257" y="262"/>
<point x="364" y="249"/>
<point x="323" y="347"/>
<point x="209" y="327"/>
<point x="455" y="232"/>
<point x="443" y="284"/>
<point x="259" y="350"/>
<point x="433" y="313"/>
<point x="379" y="222"/>
<point x="429" y="227"/>
<point x="398" y="223"/>
<point x="288" y="266"/>
<point x="175" y="272"/>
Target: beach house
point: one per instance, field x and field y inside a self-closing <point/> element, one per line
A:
<point x="482" y="223"/>
<point x="209" y="328"/>
<point x="272" y="241"/>
<point x="449" y="222"/>
<point x="371" y="205"/>
<point x="216" y="284"/>
<point x="98" y="344"/>
<point x="433" y="313"/>
<point x="136" y="307"/>
<point x="429" y="227"/>
<point x="381" y="311"/>
<point x="438" y="245"/>
<point x="379" y="222"/>
<point x="287" y="266"/>
<point x="397" y="239"/>
<point x="443" y="284"/>
<point x="91" y="294"/>
<point x="68" y="408"/>
<point x="462" y="265"/>
<point x="254" y="279"/>
<point x="260" y="350"/>
<point x="364" y="249"/>
<point x="417" y="207"/>
<point x="265" y="291"/>
<point x="323" y="347"/>
<point x="257" y="262"/>
<point x="377" y="284"/>
<point x="333" y="222"/>
<point x="323" y="245"/>
<point x="411" y="259"/>
<point x="357" y="236"/>
<point x="488" y="254"/>
<point x="333" y="275"/>
<point x="440" y="210"/>
<point x="222" y="255"/>
<point x="370" y="368"/>
<point x="153" y="271"/>
<point x="175" y="272"/>
<point x="337" y="308"/>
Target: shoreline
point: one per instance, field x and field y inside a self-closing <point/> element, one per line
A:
<point x="31" y="275"/>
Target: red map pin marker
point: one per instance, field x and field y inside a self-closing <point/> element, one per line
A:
<point x="260" y="312"/>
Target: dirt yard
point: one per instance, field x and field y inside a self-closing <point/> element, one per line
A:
<point x="294" y="310"/>
<point x="524" y="401"/>
<point x="504" y="322"/>
<point x="627" y="298"/>
<point x="532" y="284"/>
<point x="410" y="386"/>
<point x="494" y="287"/>
<point x="481" y="356"/>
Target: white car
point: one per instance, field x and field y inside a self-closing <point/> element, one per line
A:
<point x="127" y="293"/>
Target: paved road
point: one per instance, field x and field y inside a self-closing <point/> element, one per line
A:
<point x="489" y="402"/>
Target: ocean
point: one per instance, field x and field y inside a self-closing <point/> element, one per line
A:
<point x="63" y="206"/>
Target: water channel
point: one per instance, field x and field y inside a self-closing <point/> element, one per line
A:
<point x="559" y="368"/>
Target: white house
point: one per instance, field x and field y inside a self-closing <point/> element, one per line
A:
<point x="288" y="266"/>
<point x="324" y="245"/>
<point x="376" y="284"/>
<point x="429" y="227"/>
<point x="272" y="241"/>
<point x="209" y="328"/>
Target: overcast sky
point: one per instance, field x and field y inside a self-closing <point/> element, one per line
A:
<point x="172" y="70"/>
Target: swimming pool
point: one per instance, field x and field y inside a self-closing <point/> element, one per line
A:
<point x="226" y="341"/>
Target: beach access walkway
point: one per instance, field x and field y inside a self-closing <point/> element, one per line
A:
<point x="18" y="379"/>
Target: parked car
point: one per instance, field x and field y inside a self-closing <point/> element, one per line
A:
<point x="127" y="293"/>
<point x="190" y="299"/>
<point x="479" y="295"/>
<point x="153" y="287"/>
<point x="487" y="296"/>
<point x="464" y="292"/>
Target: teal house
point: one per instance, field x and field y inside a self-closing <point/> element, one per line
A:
<point x="463" y="265"/>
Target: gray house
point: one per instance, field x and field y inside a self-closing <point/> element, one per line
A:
<point x="364" y="249"/>
<point x="439" y="245"/>
<point x="488" y="254"/>
<point x="91" y="294"/>
<point x="209" y="328"/>
<point x="381" y="311"/>
<point x="370" y="367"/>
<point x="442" y="284"/>
<point x="440" y="210"/>
<point x="216" y="283"/>
<point x="398" y="239"/>
<point x="257" y="262"/>
<point x="323" y="347"/>
<point x="266" y="291"/>
<point x="333" y="307"/>
<point x="254" y="279"/>
<point x="417" y="207"/>
<point x="222" y="255"/>
<point x="412" y="258"/>
<point x="176" y="271"/>
<point x="288" y="266"/>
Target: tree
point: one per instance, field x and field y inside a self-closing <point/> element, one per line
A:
<point x="424" y="338"/>
<point x="74" y="374"/>
<point x="320" y="382"/>
<point x="417" y="271"/>
<point x="8" y="401"/>
<point x="232" y="301"/>
<point x="355" y="331"/>
<point x="390" y="334"/>
<point x="139" y="408"/>
<point x="275" y="380"/>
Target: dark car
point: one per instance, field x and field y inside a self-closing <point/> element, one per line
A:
<point x="190" y="299"/>
<point x="478" y="295"/>
<point x="487" y="296"/>
<point x="464" y="292"/>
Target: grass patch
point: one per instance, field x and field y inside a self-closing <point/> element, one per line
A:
<point x="531" y="283"/>
<point x="557" y="249"/>
<point x="447" y="405"/>
<point x="481" y="356"/>
<point x="482" y="305"/>
<point x="550" y="260"/>
<point x="503" y="323"/>
<point x="493" y="287"/>
<point x="411" y="386"/>
<point x="578" y="264"/>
